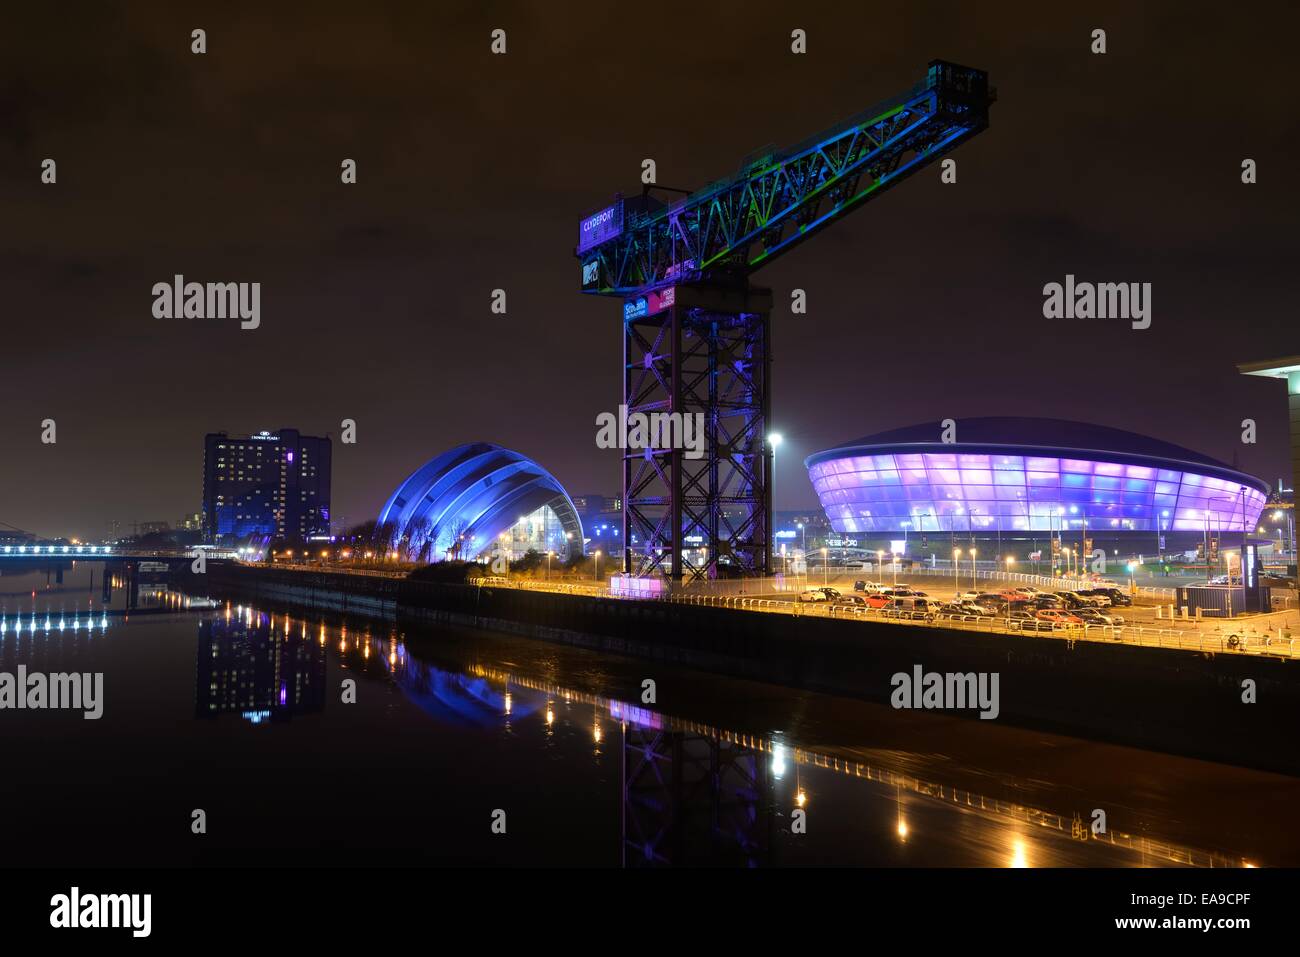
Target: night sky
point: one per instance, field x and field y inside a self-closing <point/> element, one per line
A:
<point x="475" y="169"/>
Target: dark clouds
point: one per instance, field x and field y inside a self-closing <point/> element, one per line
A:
<point x="473" y="173"/>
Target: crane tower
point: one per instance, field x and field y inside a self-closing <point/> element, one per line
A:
<point x="697" y="333"/>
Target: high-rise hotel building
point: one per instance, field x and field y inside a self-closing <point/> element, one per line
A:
<point x="273" y="483"/>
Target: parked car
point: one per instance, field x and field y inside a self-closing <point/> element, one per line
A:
<point x="1101" y="598"/>
<point x="975" y="608"/>
<point x="1116" y="596"/>
<point x="1047" y="602"/>
<point x="1024" y="621"/>
<point x="856" y="601"/>
<point x="1094" y="616"/>
<point x="1056" y="616"/>
<point x="867" y="586"/>
<point x="913" y="608"/>
<point x="1077" y="599"/>
<point x="817" y="594"/>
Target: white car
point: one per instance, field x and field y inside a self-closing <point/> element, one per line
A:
<point x="813" y="594"/>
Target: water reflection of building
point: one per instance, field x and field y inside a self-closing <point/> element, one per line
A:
<point x="248" y="666"/>
<point x="696" y="794"/>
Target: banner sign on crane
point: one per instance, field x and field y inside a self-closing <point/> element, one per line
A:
<point x="599" y="227"/>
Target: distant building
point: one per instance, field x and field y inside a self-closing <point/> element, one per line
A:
<point x="1021" y="475"/>
<point x="602" y="521"/>
<point x="1287" y="370"/>
<point x="271" y="483"/>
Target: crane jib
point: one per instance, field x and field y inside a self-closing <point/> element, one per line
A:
<point x="735" y="226"/>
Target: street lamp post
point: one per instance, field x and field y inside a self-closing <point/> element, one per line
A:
<point x="956" y="554"/>
<point x="826" y="569"/>
<point x="972" y="570"/>
<point x="597" y="564"/>
<point x="774" y="441"/>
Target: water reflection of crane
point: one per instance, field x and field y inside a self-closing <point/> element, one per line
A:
<point x="693" y="793"/>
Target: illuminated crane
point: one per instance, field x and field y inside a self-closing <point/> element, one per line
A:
<point x="697" y="333"/>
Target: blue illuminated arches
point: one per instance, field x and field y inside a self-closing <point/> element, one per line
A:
<point x="1017" y="474"/>
<point x="472" y="494"/>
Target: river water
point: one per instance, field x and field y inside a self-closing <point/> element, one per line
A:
<point x="468" y="747"/>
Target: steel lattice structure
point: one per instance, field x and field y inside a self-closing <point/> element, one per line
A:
<point x="697" y="337"/>
<point x="689" y="799"/>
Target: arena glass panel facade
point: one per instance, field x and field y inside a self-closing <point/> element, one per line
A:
<point x="866" y="491"/>
<point x="478" y="498"/>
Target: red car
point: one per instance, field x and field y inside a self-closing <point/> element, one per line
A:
<point x="1056" y="616"/>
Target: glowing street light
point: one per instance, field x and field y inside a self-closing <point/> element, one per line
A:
<point x="774" y="441"/>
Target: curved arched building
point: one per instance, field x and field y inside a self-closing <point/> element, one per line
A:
<point x="476" y="498"/>
<point x="1023" y="474"/>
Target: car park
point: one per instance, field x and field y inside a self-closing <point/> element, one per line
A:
<point x="867" y="586"/>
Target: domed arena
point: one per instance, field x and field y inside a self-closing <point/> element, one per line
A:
<point x="479" y="498"/>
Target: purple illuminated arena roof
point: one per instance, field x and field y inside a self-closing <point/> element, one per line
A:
<point x="1019" y="474"/>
